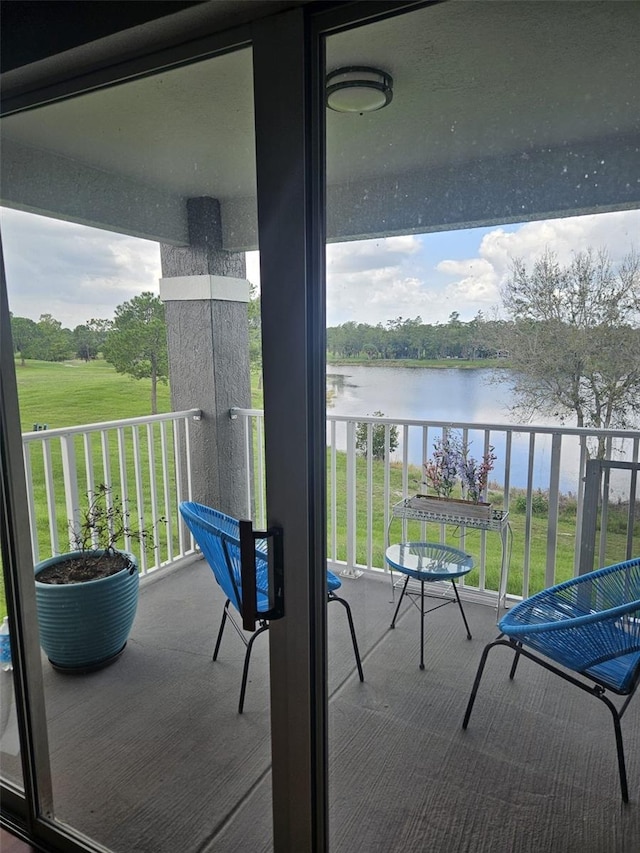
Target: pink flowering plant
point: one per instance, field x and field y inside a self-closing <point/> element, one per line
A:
<point x="451" y="462"/>
<point x="441" y="471"/>
<point x="474" y="474"/>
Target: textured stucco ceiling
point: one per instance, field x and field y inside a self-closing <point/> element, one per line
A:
<point x="479" y="79"/>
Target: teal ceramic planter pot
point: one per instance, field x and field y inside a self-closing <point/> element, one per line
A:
<point x="85" y="626"/>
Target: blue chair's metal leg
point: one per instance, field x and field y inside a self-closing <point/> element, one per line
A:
<point x="393" y="621"/>
<point x="626" y="702"/>
<point x="596" y="690"/>
<point x="464" y="618"/>
<point x="479" y="672"/>
<point x="619" y="746"/>
<point x="225" y="613"/>
<point x="245" y="669"/>
<point x="516" y="658"/>
<point x="333" y="597"/>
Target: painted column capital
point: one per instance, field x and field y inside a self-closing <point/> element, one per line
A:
<point x="204" y="287"/>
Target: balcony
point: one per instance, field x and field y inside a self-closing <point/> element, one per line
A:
<point x="151" y="755"/>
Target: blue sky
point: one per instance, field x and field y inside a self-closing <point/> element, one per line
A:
<point x="76" y="273"/>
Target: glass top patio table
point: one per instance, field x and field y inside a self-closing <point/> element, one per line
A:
<point x="429" y="561"/>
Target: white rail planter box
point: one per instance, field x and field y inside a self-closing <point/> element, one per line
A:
<point x="454" y="507"/>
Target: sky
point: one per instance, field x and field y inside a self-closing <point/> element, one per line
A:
<point x="77" y="273"/>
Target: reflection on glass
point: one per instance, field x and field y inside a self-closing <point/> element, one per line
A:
<point x="149" y="752"/>
<point x="457" y="218"/>
<point x="10" y="766"/>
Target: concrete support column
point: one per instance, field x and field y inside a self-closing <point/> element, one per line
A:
<point x="206" y="295"/>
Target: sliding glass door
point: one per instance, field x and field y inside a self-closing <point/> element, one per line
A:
<point x="134" y="198"/>
<point x="481" y="175"/>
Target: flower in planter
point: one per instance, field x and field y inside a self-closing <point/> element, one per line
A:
<point x="451" y="462"/>
<point x="441" y="471"/>
<point x="474" y="475"/>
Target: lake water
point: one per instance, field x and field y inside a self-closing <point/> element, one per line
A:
<point x="443" y="394"/>
<point x="434" y="394"/>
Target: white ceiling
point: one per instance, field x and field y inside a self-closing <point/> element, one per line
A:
<point x="474" y="83"/>
<point x="189" y="130"/>
<point x="478" y="79"/>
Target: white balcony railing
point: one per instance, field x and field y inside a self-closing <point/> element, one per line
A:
<point x="539" y="478"/>
<point x="146" y="462"/>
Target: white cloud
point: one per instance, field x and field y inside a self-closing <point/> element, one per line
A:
<point x="618" y="232"/>
<point x="372" y="281"/>
<point x="478" y="280"/>
<point x="71" y="271"/>
<point x="366" y="255"/>
<point x="253" y="268"/>
<point x="476" y="284"/>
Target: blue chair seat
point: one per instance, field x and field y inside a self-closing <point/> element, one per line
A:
<point x="333" y="582"/>
<point x="588" y="624"/>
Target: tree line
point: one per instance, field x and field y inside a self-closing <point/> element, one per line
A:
<point x="47" y="340"/>
<point x="412" y="339"/>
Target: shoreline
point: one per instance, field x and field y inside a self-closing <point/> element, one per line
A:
<point x="437" y="364"/>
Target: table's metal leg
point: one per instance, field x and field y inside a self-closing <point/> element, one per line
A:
<point x="393" y="621"/>
<point x="464" y="618"/>
<point x="421" y="624"/>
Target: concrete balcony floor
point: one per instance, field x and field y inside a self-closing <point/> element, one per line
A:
<point x="150" y="754"/>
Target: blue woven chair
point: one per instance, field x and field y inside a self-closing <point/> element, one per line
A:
<point x="218" y="536"/>
<point x="590" y="625"/>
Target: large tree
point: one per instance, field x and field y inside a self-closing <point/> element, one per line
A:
<point x="573" y="339"/>
<point x="89" y="338"/>
<point x="24" y="333"/>
<point x="51" y="341"/>
<point x="136" y="344"/>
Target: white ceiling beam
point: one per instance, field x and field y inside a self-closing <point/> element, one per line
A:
<point x="593" y="177"/>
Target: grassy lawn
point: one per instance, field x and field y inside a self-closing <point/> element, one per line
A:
<point x="72" y="393"/>
<point x="77" y="392"/>
<point x="475" y="542"/>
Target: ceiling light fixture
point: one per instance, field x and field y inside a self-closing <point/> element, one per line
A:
<point x="358" y="89"/>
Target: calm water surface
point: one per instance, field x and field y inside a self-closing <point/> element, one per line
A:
<point x="434" y="394"/>
<point x="443" y="394"/>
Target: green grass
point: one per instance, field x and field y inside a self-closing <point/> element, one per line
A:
<point x="475" y="541"/>
<point x="77" y="392"/>
<point x="73" y="393"/>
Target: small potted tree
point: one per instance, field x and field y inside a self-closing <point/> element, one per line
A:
<point x="87" y="598"/>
